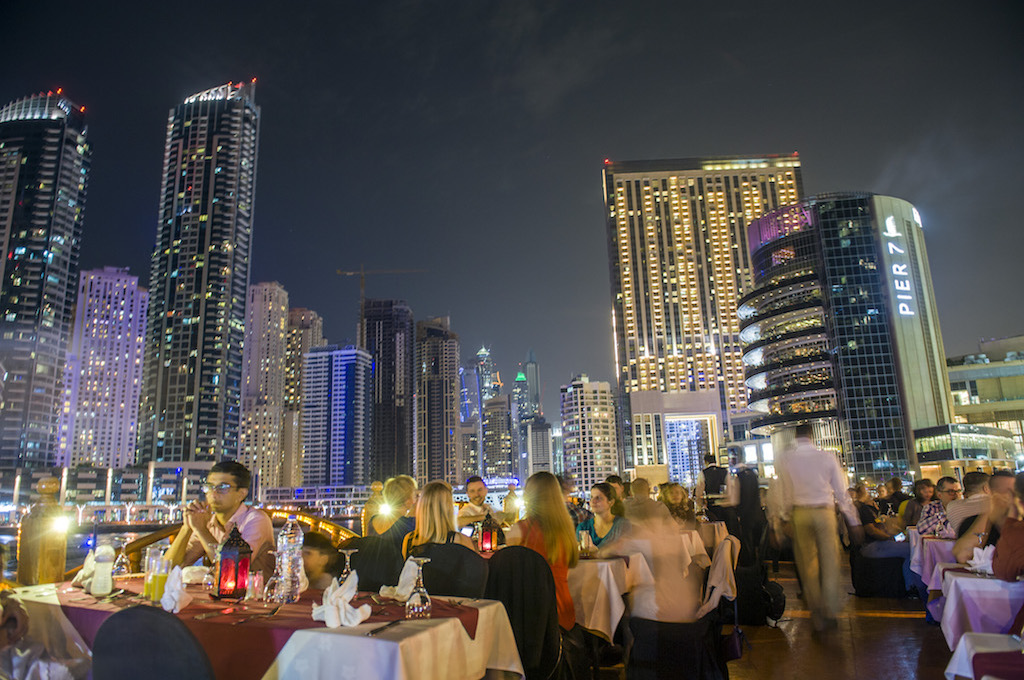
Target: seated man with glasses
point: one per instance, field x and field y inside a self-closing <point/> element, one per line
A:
<point x="933" y="514"/>
<point x="208" y="523"/>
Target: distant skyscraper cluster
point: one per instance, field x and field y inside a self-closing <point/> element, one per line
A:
<point x="740" y="308"/>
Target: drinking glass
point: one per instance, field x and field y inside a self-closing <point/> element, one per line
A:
<point x="418" y="606"/>
<point x="154" y="554"/>
<point x="254" y="590"/>
<point x="347" y="552"/>
<point x="209" y="580"/>
<point x="121" y="565"/>
<point x="161" y="568"/>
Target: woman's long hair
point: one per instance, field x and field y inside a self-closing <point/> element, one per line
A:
<point x="618" y="509"/>
<point x="435" y="514"/>
<point x="545" y="506"/>
<point x="397" y="492"/>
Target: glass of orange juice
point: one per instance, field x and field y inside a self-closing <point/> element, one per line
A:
<point x="153" y="553"/>
<point x="161" y="568"/>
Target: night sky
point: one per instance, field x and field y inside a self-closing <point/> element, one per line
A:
<point x="467" y="138"/>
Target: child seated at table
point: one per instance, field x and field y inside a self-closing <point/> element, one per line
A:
<point x="319" y="559"/>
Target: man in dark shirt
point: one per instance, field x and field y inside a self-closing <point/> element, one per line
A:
<point x="890" y="505"/>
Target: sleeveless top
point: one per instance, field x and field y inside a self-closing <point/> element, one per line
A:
<point x="534" y="540"/>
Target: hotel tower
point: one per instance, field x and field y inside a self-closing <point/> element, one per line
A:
<point x="198" y="279"/>
<point x="677" y="247"/>
<point x="44" y="169"/>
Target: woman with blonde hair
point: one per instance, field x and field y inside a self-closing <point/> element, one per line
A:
<point x="548" y="530"/>
<point x="678" y="503"/>
<point x="435" y="519"/>
<point x="394" y="519"/>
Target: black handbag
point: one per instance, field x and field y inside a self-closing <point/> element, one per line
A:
<point x="732" y="644"/>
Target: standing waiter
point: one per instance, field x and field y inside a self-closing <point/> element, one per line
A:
<point x="710" y="491"/>
<point x="812" y="483"/>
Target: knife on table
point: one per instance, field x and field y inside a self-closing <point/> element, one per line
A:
<point x="208" y="615"/>
<point x="384" y="627"/>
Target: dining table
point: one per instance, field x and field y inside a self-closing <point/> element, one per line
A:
<point x="926" y="552"/>
<point x="598" y="587"/>
<point x="712" y="533"/>
<point x="694" y="546"/>
<point x="261" y="641"/>
<point x="973" y="649"/>
<point x="974" y="603"/>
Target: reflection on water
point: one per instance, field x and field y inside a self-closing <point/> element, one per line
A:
<point x="81" y="543"/>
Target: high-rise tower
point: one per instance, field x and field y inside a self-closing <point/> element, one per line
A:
<point x="44" y="170"/>
<point x="103" y="376"/>
<point x="263" y="382"/>
<point x="437" y="402"/>
<point x="305" y="333"/>
<point x="336" y="404"/>
<point x="588" y="431"/>
<point x="677" y="245"/>
<point x="389" y="336"/>
<point x="841" y="330"/>
<point x="199" y="275"/>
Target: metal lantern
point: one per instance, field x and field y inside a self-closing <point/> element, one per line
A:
<point x="233" y="559"/>
<point x="491" y="535"/>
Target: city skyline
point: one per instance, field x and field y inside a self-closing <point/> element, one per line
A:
<point x="473" y="108"/>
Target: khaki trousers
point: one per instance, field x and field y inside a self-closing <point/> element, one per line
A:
<point x="816" y="548"/>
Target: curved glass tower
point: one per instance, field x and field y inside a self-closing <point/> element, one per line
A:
<point x="841" y="330"/>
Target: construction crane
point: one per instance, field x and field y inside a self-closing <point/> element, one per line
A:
<point x="362" y="292"/>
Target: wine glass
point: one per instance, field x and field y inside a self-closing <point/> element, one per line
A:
<point x="418" y="606"/>
<point x="122" y="567"/>
<point x="981" y="537"/>
<point x="347" y="552"/>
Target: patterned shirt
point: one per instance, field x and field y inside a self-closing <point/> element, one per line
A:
<point x="933" y="520"/>
<point x="578" y="513"/>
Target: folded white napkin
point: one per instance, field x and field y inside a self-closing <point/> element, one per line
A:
<point x="84" y="576"/>
<point x="336" y="610"/>
<point x="406" y="582"/>
<point x="175" y="598"/>
<point x="982" y="560"/>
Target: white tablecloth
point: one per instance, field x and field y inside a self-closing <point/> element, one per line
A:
<point x="977" y="643"/>
<point x="978" y="604"/>
<point x="597" y="587"/>
<point x="48" y="626"/>
<point x="712" y="533"/>
<point x="427" y="649"/>
<point x="695" y="548"/>
<point x="927" y="551"/>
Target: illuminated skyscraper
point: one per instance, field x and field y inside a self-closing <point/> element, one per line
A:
<point x="44" y="170"/>
<point x="336" y="407"/>
<point x="677" y="245"/>
<point x="487" y="375"/>
<point x="199" y="278"/>
<point x="499" y="451"/>
<point x="103" y="377"/>
<point x="437" y="402"/>
<point x="588" y="432"/>
<point x="532" y="370"/>
<point x="389" y="336"/>
<point x="263" y="382"/>
<point x="841" y="330"/>
<point x="305" y="333"/>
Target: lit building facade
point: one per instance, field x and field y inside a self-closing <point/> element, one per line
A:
<point x="841" y="330"/>
<point x="437" y="403"/>
<point x="588" y="432"/>
<point x="337" y="404"/>
<point x="677" y="246"/>
<point x="538" y="446"/>
<point x="44" y="171"/>
<point x="264" y="376"/>
<point x="389" y="335"/>
<point x="305" y="332"/>
<point x="499" y="446"/>
<point x="103" y="374"/>
<point x="199" y="277"/>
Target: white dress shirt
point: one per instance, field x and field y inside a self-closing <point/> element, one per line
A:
<point x="812" y="477"/>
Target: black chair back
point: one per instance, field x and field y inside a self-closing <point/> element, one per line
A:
<point x="521" y="579"/>
<point x="453" y="570"/>
<point x="378" y="562"/>
<point x="147" y="642"/>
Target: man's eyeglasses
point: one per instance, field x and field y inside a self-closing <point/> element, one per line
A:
<point x="952" y="491"/>
<point x="223" y="487"/>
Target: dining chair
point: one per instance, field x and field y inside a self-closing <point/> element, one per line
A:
<point x="147" y="642"/>
<point x="521" y="579"/>
<point x="378" y="562"/>
<point x="453" y="570"/>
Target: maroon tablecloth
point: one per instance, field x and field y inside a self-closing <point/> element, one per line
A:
<point x="1006" y="665"/>
<point x="248" y="649"/>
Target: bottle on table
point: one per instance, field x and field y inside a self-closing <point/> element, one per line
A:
<point x="103" y="574"/>
<point x="289" y="561"/>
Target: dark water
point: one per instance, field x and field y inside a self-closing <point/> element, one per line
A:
<point x="79" y="544"/>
